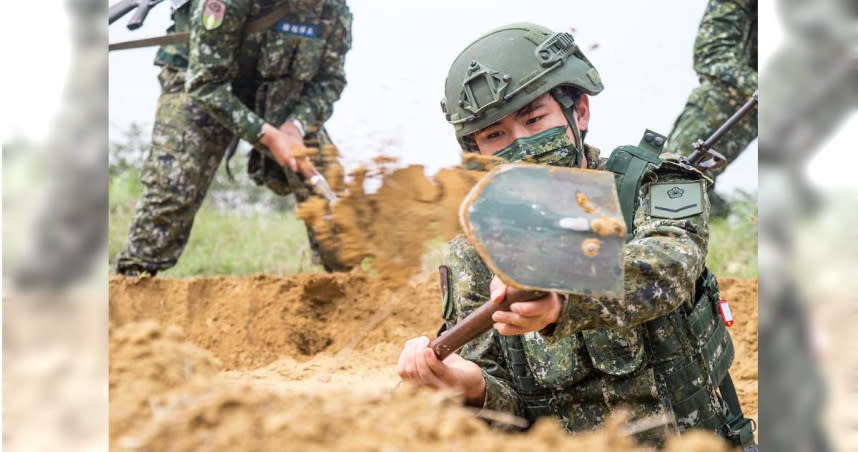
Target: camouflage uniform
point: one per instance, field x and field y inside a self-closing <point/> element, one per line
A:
<point x="224" y="84"/>
<point x="606" y="353"/>
<point x="725" y="59"/>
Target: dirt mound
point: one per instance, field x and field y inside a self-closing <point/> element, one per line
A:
<point x="308" y="364"/>
<point x="250" y="322"/>
<point x="145" y="360"/>
<point x="742" y="297"/>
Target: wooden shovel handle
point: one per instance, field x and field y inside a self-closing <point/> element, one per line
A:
<point x="477" y="323"/>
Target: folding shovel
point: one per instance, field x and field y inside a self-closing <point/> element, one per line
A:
<point x="539" y="229"/>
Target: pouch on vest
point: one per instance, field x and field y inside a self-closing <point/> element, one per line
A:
<point x="629" y="163"/>
<point x="555" y="365"/>
<point x="614" y="351"/>
<point x="708" y="331"/>
<point x="263" y="170"/>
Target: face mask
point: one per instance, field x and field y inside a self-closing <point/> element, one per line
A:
<point x="549" y="147"/>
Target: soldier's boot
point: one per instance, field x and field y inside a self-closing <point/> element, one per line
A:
<point x="135" y="271"/>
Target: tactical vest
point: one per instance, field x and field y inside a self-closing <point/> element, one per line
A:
<point x="684" y="355"/>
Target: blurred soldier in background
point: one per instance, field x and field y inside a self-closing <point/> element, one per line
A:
<point x="809" y="86"/>
<point x="272" y="88"/>
<point x="72" y="227"/>
<point x="725" y="59"/>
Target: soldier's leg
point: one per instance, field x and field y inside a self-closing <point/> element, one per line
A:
<point x="707" y="108"/>
<point x="187" y="147"/>
<point x="725" y="59"/>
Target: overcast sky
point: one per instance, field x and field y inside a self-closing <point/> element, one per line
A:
<point x="402" y="50"/>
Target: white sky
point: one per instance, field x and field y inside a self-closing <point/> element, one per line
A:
<point x="34" y="71"/>
<point x="396" y="72"/>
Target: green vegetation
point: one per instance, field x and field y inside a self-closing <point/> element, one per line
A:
<point x="222" y="242"/>
<point x="733" y="240"/>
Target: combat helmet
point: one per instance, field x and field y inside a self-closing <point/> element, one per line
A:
<point x="509" y="67"/>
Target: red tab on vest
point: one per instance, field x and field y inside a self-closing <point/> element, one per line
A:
<point x="726" y="315"/>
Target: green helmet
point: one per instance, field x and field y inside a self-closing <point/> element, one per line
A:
<point x="509" y="67"/>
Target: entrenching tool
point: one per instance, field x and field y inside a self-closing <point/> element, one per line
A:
<point x="316" y="180"/>
<point x="541" y="228"/>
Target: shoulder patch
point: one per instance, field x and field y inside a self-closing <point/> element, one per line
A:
<point x="213" y="13"/>
<point x="676" y="199"/>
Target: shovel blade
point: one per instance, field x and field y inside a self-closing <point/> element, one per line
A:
<point x="548" y="228"/>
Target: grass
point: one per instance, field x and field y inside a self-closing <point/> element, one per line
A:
<point x="221" y="242"/>
<point x="733" y="240"/>
<point x="228" y="243"/>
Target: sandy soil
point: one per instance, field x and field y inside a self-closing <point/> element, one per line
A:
<point x="834" y="319"/>
<point x="307" y="362"/>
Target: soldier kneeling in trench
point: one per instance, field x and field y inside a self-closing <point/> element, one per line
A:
<point x="663" y="350"/>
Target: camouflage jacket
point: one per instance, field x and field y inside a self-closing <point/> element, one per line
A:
<point x="601" y="362"/>
<point x="294" y="69"/>
<point x="725" y="50"/>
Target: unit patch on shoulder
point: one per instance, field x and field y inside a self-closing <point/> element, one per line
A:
<point x="676" y="199"/>
<point x="213" y="13"/>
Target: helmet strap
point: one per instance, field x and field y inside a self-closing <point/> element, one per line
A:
<point x="568" y="106"/>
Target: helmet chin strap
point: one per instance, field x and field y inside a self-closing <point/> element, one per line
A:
<point x="568" y="105"/>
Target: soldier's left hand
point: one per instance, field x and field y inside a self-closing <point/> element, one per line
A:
<point x="524" y="316"/>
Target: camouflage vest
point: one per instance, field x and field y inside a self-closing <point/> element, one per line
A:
<point x="674" y="362"/>
<point x="274" y="65"/>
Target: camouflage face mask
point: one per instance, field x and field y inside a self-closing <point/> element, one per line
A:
<point x="549" y="147"/>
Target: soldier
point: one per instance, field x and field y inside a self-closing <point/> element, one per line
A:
<point x="725" y="59"/>
<point x="71" y="227"/>
<point x="521" y="92"/>
<point x="271" y="88"/>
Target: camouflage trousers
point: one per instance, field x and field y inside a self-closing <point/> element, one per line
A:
<point x="187" y="148"/>
<point x="709" y="105"/>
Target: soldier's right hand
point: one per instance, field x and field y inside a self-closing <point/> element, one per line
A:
<point x="419" y="365"/>
<point x="281" y="145"/>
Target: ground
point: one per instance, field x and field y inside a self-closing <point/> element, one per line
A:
<point x="256" y="363"/>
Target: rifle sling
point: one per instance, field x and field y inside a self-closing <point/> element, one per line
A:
<point x="178" y="38"/>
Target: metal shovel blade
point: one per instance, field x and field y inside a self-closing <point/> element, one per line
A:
<point x="548" y="228"/>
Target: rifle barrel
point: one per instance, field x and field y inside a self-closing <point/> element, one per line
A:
<point x="120" y="9"/>
<point x="139" y="16"/>
<point x="701" y="149"/>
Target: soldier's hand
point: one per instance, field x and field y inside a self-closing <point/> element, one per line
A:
<point x="419" y="365"/>
<point x="289" y="129"/>
<point x="524" y="316"/>
<point x="281" y="145"/>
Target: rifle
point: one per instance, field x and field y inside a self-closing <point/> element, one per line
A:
<point x="123" y="7"/>
<point x="703" y="149"/>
